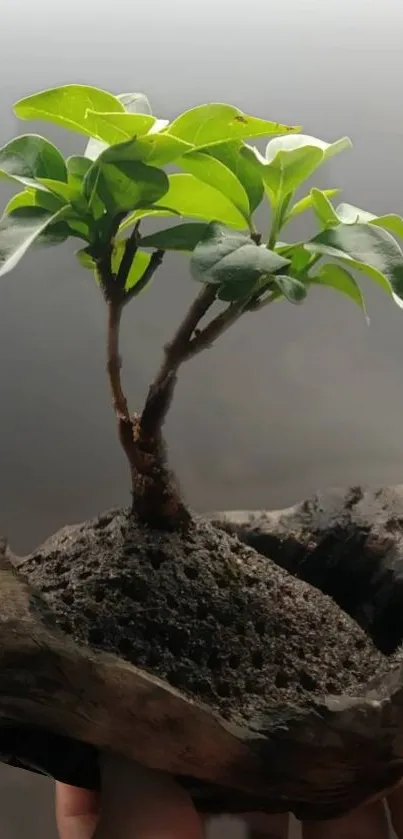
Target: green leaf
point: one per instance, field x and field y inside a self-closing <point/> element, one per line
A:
<point x="190" y="197"/>
<point x="351" y="215"/>
<point x="324" y="210"/>
<point x="138" y="267"/>
<point x="73" y="224"/>
<point x="68" y="106"/>
<point x="368" y="249"/>
<point x="160" y="149"/>
<point x="133" y="103"/>
<point x="139" y="264"/>
<point x="19" y="230"/>
<point x="243" y="290"/>
<point x="391" y="222"/>
<point x="64" y="191"/>
<point x="288" y="171"/>
<point x="305" y="203"/>
<point x="338" y="278"/>
<point x="30" y="157"/>
<point x="242" y="162"/>
<point x="72" y="194"/>
<point x="80" y="227"/>
<point x="85" y="259"/>
<point x="117" y="127"/>
<point x="183" y="237"/>
<point x="211" y="171"/>
<point x="299" y="257"/>
<point x="214" y="123"/>
<point x="77" y="168"/>
<point x="290" y="160"/>
<point x="298" y="141"/>
<point x="124" y="185"/>
<point x="33" y="198"/>
<point x="292" y="289"/>
<point x="21" y="199"/>
<point x="147" y="212"/>
<point x="156" y="149"/>
<point x="225" y="256"/>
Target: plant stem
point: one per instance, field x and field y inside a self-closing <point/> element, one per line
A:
<point x="215" y="328"/>
<point x="114" y="361"/>
<point x="114" y="366"/>
<point x="278" y="221"/>
<point x="274" y="230"/>
<point x="161" y="391"/>
<point x="128" y="257"/>
<point x="256" y="305"/>
<point x="156" y="499"/>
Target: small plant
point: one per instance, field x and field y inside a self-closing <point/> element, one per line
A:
<point x="155" y="633"/>
<point x="104" y="195"/>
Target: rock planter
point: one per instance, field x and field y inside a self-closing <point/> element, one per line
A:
<point x="195" y="654"/>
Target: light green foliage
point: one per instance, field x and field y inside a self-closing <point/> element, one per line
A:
<point x="70" y="106"/>
<point x="215" y="183"/>
<point x="216" y="122"/>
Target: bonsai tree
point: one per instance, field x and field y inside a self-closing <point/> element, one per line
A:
<point x="252" y="656"/>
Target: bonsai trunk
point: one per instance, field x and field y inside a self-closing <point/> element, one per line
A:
<point x="155" y="496"/>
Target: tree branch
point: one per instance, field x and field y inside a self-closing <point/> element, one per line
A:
<point x="180" y="349"/>
<point x="156" y="495"/>
<point x="215" y="328"/>
<point x="121" y="408"/>
<point x="114" y="361"/>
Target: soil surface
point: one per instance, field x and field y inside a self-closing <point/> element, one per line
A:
<point x="203" y="611"/>
<point x="348" y="543"/>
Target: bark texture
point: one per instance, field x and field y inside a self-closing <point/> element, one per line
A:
<point x="193" y="653"/>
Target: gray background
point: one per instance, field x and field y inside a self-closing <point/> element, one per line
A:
<point x="292" y="399"/>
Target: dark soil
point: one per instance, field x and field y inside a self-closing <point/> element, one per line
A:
<point x="204" y="612"/>
<point x="347" y="543"/>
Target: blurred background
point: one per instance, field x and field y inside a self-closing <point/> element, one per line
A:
<point x="292" y="399"/>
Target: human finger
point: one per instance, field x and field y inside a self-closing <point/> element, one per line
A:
<point x="77" y="812"/>
<point x="139" y="803"/>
